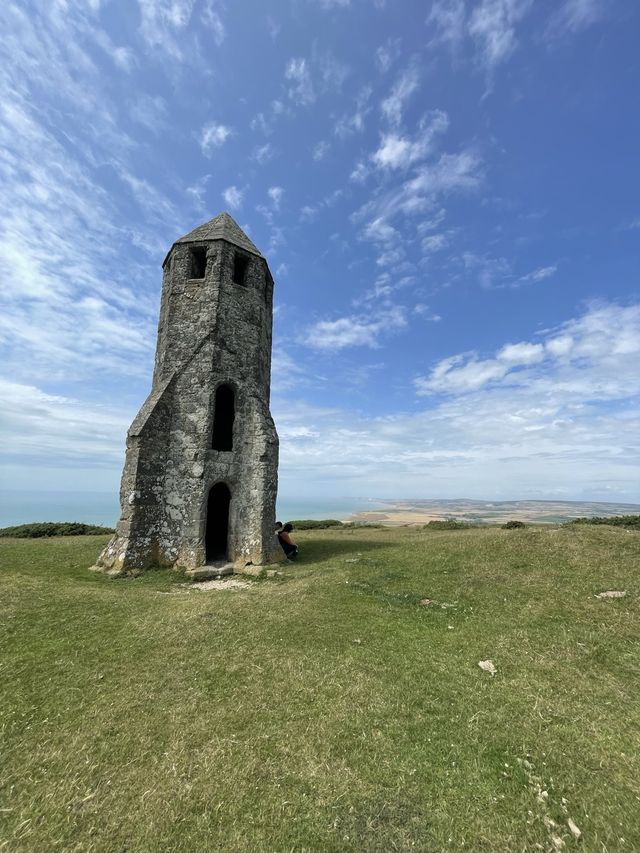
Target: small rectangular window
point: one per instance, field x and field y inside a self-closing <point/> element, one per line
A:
<point x="240" y="264"/>
<point x="198" y="262"/>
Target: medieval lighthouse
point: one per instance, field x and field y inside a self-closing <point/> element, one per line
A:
<point x="200" y="477"/>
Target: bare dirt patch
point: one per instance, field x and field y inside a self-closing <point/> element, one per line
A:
<point x="219" y="584"/>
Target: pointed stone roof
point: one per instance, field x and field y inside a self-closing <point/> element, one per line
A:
<point x="221" y="227"/>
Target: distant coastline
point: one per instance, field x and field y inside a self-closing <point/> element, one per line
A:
<point x="23" y="507"/>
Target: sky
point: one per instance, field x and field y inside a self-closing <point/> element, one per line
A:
<point x="448" y="196"/>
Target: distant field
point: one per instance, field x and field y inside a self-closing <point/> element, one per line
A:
<point x="329" y="709"/>
<point x="404" y="512"/>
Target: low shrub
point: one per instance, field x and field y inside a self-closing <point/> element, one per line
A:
<point x="323" y="524"/>
<point x="632" y="521"/>
<point x="447" y="524"/>
<point x="512" y="525"/>
<point x="38" y="529"/>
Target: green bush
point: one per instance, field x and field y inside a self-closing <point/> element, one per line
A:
<point x="512" y="525"/>
<point x="38" y="529"/>
<point x="323" y="524"/>
<point x="632" y="521"/>
<point x="447" y="524"/>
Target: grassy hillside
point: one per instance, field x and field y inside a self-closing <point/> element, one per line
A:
<point x="327" y="710"/>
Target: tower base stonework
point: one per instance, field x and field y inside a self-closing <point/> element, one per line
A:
<point x="200" y="478"/>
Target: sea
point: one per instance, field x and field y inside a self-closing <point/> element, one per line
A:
<point x="22" y="507"/>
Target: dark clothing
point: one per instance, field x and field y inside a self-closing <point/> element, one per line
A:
<point x="289" y="549"/>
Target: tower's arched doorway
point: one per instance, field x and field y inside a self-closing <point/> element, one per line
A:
<point x="217" y="532"/>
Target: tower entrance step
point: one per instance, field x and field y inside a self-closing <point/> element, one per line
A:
<point x="218" y="569"/>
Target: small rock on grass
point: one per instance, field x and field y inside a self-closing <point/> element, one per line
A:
<point x="426" y="602"/>
<point x="612" y="593"/>
<point x="574" y="829"/>
<point x="488" y="666"/>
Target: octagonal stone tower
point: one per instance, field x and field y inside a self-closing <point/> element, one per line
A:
<point x="200" y="477"/>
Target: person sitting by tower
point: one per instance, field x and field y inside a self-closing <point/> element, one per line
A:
<point x="288" y="545"/>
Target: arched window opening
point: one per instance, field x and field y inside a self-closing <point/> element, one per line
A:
<point x="240" y="264"/>
<point x="217" y="531"/>
<point x="198" y="262"/>
<point x="224" y="413"/>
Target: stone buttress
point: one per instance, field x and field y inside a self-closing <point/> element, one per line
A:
<point x="200" y="477"/>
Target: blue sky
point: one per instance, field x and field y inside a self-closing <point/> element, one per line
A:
<point x="448" y="196"/>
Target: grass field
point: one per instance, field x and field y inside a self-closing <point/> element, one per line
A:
<point x="327" y="709"/>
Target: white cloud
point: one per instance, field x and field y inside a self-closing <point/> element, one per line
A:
<point x="260" y="122"/>
<point x="423" y="311"/>
<point x="79" y="304"/>
<point x="568" y="430"/>
<point x="397" y="152"/>
<point x="213" y="20"/>
<point x="123" y="58"/>
<point x="301" y="90"/>
<point x="355" y="331"/>
<point x="493" y="25"/>
<point x="539" y="274"/>
<point x="492" y="272"/>
<point x="198" y="191"/>
<point x="263" y="153"/>
<point x="379" y="231"/>
<point x="454" y="375"/>
<point x="496" y="272"/>
<point x="161" y="22"/>
<point x="332" y="72"/>
<point x="38" y="426"/>
<point x="213" y="136"/>
<point x="451" y="173"/>
<point x="276" y="240"/>
<point x="387" y="54"/>
<point x="353" y="121"/>
<point x="448" y="18"/>
<point x="434" y="243"/>
<point x="320" y="150"/>
<point x="391" y="258"/>
<point x="522" y="353"/>
<point x="359" y="174"/>
<point x="433" y="222"/>
<point x="574" y="358"/>
<point x="350" y="123"/>
<point x="150" y="111"/>
<point x="406" y="84"/>
<point x="150" y="199"/>
<point x="575" y="15"/>
<point x="400" y="152"/>
<point x="562" y="345"/>
<point x="265" y="211"/>
<point x="233" y="197"/>
<point x="275" y="194"/>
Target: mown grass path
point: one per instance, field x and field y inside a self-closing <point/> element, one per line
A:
<point x="326" y="710"/>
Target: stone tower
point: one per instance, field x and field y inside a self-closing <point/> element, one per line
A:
<point x="200" y="476"/>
